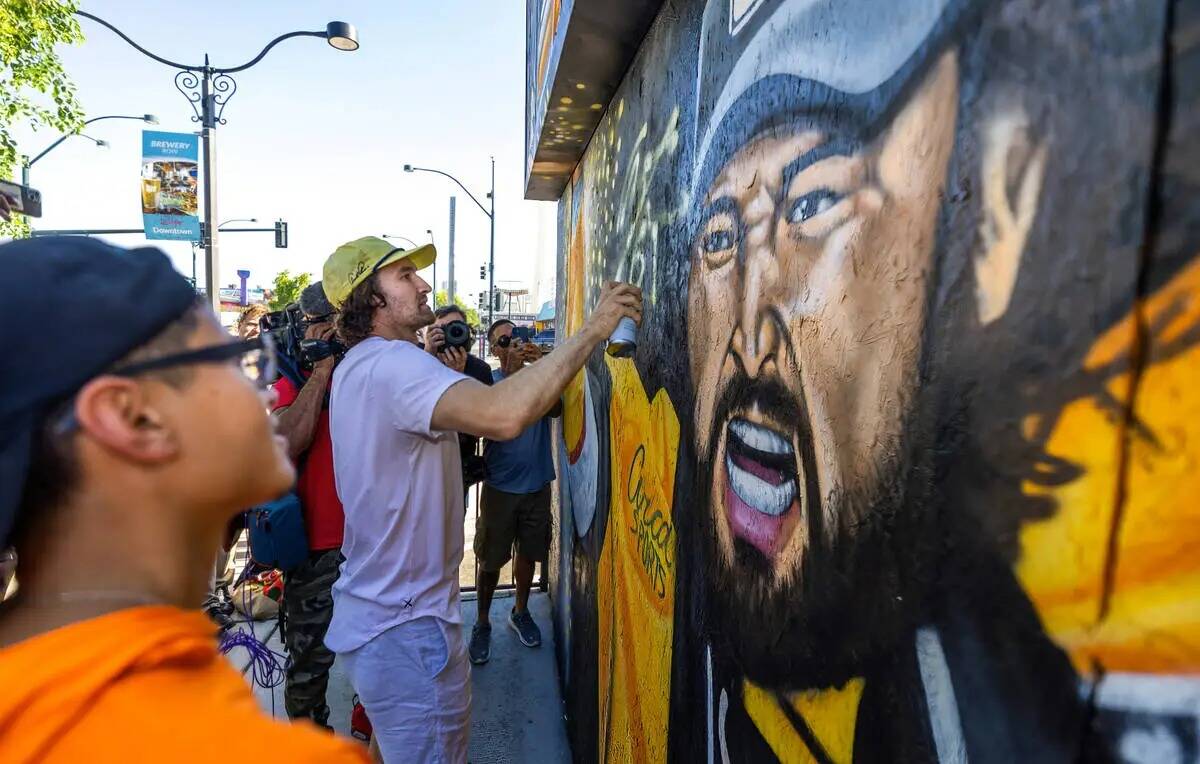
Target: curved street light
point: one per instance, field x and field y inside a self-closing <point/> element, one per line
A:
<point x="208" y="89"/>
<point x="491" y="218"/>
<point x="396" y="236"/>
<point x="149" y="119"/>
<point x="236" y="220"/>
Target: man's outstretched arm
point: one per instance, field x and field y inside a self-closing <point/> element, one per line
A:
<point x="502" y="411"/>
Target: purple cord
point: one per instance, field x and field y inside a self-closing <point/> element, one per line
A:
<point x="265" y="669"/>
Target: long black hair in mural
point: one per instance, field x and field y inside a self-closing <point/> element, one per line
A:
<point x="902" y="469"/>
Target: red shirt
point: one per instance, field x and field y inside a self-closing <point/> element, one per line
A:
<point x="323" y="516"/>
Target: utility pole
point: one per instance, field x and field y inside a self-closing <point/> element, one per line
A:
<point x="492" y="247"/>
<point x="450" y="283"/>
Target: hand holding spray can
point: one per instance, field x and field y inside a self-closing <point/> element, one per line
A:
<point x="622" y="343"/>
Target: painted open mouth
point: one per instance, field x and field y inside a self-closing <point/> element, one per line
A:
<point x="763" y="480"/>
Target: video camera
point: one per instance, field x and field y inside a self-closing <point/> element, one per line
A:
<point x="287" y="328"/>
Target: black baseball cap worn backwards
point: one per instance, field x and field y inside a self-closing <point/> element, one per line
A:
<point x="70" y="307"/>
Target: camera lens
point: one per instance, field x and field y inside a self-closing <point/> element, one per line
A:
<point x="458" y="334"/>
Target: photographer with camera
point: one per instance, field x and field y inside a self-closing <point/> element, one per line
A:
<point x="449" y="338"/>
<point x="515" y="506"/>
<point x="248" y="321"/>
<point x="302" y="417"/>
<point x="397" y="619"/>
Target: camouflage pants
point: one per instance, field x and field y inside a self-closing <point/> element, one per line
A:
<point x="307" y="610"/>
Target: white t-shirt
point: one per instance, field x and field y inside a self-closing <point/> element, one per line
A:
<point x="401" y="487"/>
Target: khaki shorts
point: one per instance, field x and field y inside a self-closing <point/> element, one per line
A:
<point x="508" y="518"/>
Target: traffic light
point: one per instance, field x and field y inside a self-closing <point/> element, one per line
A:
<point x="482" y="301"/>
<point x="280" y="234"/>
<point x="497" y="301"/>
<point x="483" y="273"/>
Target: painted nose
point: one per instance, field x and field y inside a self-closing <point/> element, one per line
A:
<point x="754" y="348"/>
<point x="757" y="337"/>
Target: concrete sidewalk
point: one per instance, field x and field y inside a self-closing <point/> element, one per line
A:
<point x="517" y="711"/>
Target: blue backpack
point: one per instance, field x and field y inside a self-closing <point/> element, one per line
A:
<point x="277" y="535"/>
<point x="276" y="529"/>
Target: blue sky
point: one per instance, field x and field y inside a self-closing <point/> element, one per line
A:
<point x="315" y="136"/>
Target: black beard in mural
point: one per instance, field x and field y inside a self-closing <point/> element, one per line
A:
<point x="808" y="592"/>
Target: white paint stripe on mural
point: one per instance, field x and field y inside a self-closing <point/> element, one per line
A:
<point x="939" y="697"/>
<point x="708" y="697"/>
<point x="721" y="726"/>
<point x="1150" y="693"/>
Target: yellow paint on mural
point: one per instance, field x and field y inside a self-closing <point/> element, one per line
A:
<point x="573" y="403"/>
<point x="635" y="588"/>
<point x="1153" y="623"/>
<point x="830" y="714"/>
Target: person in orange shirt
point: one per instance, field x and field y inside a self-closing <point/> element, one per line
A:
<point x="132" y="428"/>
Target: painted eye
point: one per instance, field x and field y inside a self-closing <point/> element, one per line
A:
<point x="716" y="241"/>
<point x="812" y="204"/>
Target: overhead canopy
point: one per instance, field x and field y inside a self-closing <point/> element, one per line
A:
<point x="578" y="54"/>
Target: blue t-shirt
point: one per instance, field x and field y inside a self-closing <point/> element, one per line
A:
<point x="523" y="464"/>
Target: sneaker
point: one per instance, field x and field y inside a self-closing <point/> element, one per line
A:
<point x="215" y="610"/>
<point x="527" y="630"/>
<point x="480" y="648"/>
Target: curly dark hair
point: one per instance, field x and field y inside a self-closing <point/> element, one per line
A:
<point x="357" y="314"/>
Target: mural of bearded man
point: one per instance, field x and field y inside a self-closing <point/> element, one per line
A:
<point x="844" y="609"/>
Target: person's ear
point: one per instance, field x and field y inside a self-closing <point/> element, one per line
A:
<point x="1014" y="164"/>
<point x="116" y="413"/>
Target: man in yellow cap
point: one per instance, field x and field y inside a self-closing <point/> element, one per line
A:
<point x="394" y="417"/>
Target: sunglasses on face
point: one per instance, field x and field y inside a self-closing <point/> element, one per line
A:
<point x="256" y="359"/>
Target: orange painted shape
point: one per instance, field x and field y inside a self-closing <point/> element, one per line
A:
<point x="1153" y="624"/>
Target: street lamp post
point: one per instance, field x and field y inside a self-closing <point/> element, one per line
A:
<point x="208" y="89"/>
<point x="149" y="119"/>
<point x="491" y="217"/>
<point x="430" y="232"/>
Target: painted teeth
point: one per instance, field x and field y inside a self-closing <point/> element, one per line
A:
<point x="760" y="438"/>
<point x="757" y="493"/>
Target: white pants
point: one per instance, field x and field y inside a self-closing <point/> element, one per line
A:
<point x="414" y="680"/>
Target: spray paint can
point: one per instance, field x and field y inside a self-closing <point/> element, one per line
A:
<point x="623" y="341"/>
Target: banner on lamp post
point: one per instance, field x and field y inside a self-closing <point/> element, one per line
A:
<point x="169" y="181"/>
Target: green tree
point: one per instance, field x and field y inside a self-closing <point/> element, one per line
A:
<point x="288" y="288"/>
<point x="34" y="89"/>
<point x="471" y="314"/>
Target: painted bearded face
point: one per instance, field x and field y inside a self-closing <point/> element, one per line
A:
<point x="807" y="299"/>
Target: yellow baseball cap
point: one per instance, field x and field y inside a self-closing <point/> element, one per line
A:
<point x="351" y="263"/>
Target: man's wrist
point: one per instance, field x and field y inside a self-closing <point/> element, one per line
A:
<point x="593" y="334"/>
<point x="321" y="371"/>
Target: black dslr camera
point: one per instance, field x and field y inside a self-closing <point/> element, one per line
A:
<point x="287" y="328"/>
<point x="458" y="335"/>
